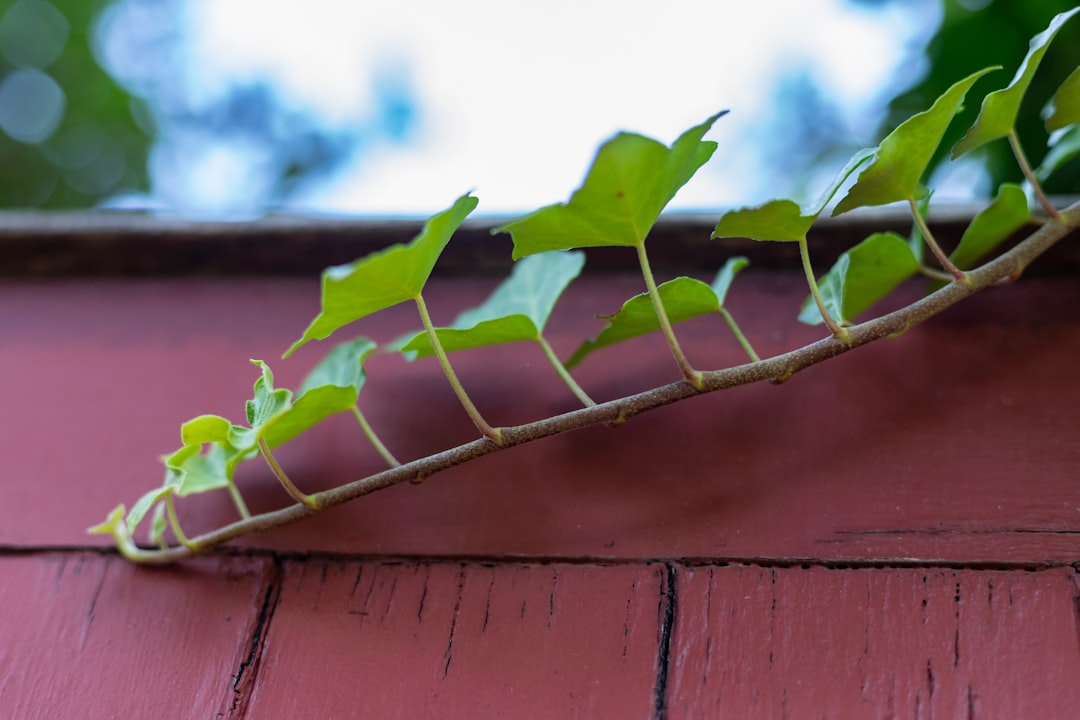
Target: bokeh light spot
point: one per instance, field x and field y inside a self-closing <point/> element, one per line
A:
<point x="31" y="105"/>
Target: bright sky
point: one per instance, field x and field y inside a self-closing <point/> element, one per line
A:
<point x="514" y="98"/>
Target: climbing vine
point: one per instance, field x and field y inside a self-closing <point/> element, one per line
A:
<point x="630" y="182"/>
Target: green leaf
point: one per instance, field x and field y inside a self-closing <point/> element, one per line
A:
<point x="517" y="310"/>
<point x="113" y="525"/>
<point x="311" y="408"/>
<point x="1064" y="108"/>
<point x="1000" y="108"/>
<point x="192" y="470"/>
<point x="683" y="298"/>
<point x="777" y="220"/>
<point x="630" y="182"/>
<point x="784" y="220"/>
<point x="343" y="366"/>
<point x="992" y="226"/>
<point x="274" y="415"/>
<point x="862" y="276"/>
<point x="268" y="401"/>
<point x="903" y="156"/>
<point x="1064" y="146"/>
<point x="143" y="505"/>
<point x="726" y="276"/>
<point x="205" y="429"/>
<point x="384" y="278"/>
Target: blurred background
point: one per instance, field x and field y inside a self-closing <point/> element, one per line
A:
<point x="235" y="108"/>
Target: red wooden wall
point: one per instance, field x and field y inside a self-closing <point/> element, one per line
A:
<point x="889" y="534"/>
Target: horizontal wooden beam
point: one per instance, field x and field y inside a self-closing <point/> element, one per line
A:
<point x="100" y="242"/>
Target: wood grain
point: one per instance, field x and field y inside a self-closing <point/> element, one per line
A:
<point x="874" y="643"/>
<point x="90" y="636"/>
<point x="412" y="640"/>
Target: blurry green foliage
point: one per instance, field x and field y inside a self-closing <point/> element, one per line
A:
<point x="68" y="133"/>
<point x="974" y="35"/>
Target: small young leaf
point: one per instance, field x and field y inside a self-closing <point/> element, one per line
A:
<point x="862" y="276"/>
<point x="993" y="225"/>
<point x="997" y="116"/>
<point x="1064" y="146"/>
<point x="1064" y="108"/>
<point x="630" y="181"/>
<point x="517" y="310"/>
<point x="384" y="278"/>
<point x="902" y="157"/>
<point x="683" y="298"/>
<point x="784" y="220"/>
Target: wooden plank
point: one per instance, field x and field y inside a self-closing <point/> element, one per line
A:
<point x="84" y="243"/>
<point x="953" y="443"/>
<point x="91" y="636"/>
<point x="409" y="640"/>
<point x="913" y="643"/>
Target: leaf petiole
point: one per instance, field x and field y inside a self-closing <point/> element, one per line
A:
<point x="954" y="272"/>
<point x="238" y="501"/>
<point x="174" y="522"/>
<point x="838" y="331"/>
<point x="1025" y="167"/>
<point x="935" y="274"/>
<point x="564" y="373"/>
<point x="294" y="492"/>
<point x="384" y="453"/>
<point x="692" y="376"/>
<point x="491" y="433"/>
<point x="739" y="334"/>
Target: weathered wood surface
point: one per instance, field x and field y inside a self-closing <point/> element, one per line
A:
<point x="87" y="636"/>
<point x="869" y="643"/>
<point x="659" y="565"/>
<point x="368" y="639"/>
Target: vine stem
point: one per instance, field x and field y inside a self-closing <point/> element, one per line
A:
<point x="491" y="433"/>
<point x="369" y="432"/>
<point x="1025" y="167"/>
<point x="955" y="272"/>
<point x="691" y="375"/>
<point x="838" y="331"/>
<point x="564" y="373"/>
<point x="294" y="492"/>
<point x="780" y="366"/>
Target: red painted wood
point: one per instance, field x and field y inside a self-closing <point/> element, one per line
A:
<point x="874" y="643"/>
<point x="365" y="640"/>
<point x="88" y="636"/>
<point x="956" y="442"/>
